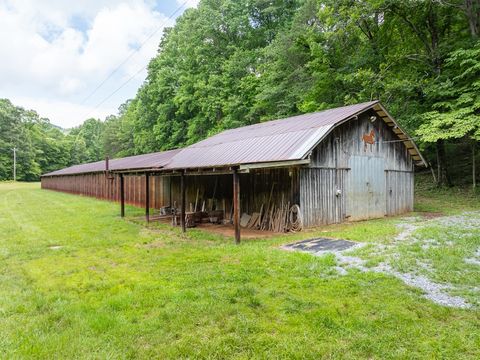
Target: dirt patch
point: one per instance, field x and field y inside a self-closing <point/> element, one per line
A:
<point x="220" y="229"/>
<point x="431" y="215"/>
<point x="228" y="230"/>
<point x="96" y="269"/>
<point x="407" y="229"/>
<point x="155" y="245"/>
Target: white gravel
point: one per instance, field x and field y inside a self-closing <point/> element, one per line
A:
<point x="475" y="260"/>
<point x="407" y="230"/>
<point x="433" y="291"/>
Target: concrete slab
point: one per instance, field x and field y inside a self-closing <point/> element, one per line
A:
<point x="321" y="244"/>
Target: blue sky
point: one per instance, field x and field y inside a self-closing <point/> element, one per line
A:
<point x="55" y="53"/>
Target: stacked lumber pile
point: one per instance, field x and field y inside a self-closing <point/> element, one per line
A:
<point x="281" y="218"/>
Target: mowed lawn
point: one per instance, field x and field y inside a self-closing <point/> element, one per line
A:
<point x="77" y="281"/>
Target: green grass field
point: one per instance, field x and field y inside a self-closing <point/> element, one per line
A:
<point x="79" y="282"/>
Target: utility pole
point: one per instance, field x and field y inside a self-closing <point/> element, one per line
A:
<point x="14" y="164"/>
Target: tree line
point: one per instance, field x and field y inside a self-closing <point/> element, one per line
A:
<point x="42" y="147"/>
<point x="230" y="63"/>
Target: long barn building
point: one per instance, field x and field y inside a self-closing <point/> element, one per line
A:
<point x="347" y="163"/>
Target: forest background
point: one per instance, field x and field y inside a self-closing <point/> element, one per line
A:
<point x="231" y="63"/>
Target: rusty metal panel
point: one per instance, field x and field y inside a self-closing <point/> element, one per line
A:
<point x="278" y="140"/>
<point x="153" y="160"/>
<point x="97" y="185"/>
<point x="366" y="188"/>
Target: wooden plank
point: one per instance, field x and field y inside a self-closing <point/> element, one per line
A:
<point x="183" y="201"/>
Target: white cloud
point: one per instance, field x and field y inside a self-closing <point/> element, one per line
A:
<point x="59" y="51"/>
<point x="72" y="114"/>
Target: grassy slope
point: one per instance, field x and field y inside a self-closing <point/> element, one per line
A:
<point x="118" y="290"/>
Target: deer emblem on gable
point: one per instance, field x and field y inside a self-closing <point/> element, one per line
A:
<point x="368" y="139"/>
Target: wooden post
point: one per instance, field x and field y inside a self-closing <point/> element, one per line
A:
<point x="122" y="196"/>
<point x="147" y="197"/>
<point x="182" y="206"/>
<point x="236" y="205"/>
<point x="170" y="204"/>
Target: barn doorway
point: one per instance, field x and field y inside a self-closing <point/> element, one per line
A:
<point x="366" y="191"/>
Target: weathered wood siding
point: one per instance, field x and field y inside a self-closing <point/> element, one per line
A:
<point x="333" y="156"/>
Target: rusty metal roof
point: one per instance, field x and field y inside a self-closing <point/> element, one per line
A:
<point x="148" y="161"/>
<point x="279" y="140"/>
<point x="287" y="139"/>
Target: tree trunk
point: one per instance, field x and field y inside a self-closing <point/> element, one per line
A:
<point x="474" y="165"/>
<point x="443" y="176"/>
<point x="472" y="11"/>
<point x="439" y="166"/>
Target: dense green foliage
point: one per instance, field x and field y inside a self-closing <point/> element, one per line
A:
<point x="42" y="147"/>
<point x="231" y="63"/>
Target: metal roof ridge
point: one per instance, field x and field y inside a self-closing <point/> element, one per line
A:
<point x="193" y="146"/>
<point x="250" y="127"/>
<point x="371" y="103"/>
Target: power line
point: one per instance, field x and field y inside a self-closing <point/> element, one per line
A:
<point x="117" y="89"/>
<point x="131" y="54"/>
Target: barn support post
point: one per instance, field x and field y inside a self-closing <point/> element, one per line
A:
<point x="122" y="196"/>
<point x="147" y="197"/>
<point x="170" y="204"/>
<point x="183" y="201"/>
<point x="236" y="205"/>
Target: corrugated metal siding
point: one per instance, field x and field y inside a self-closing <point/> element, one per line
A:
<point x="98" y="186"/>
<point x="319" y="202"/>
<point x="400" y="192"/>
<point x="366" y="188"/>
